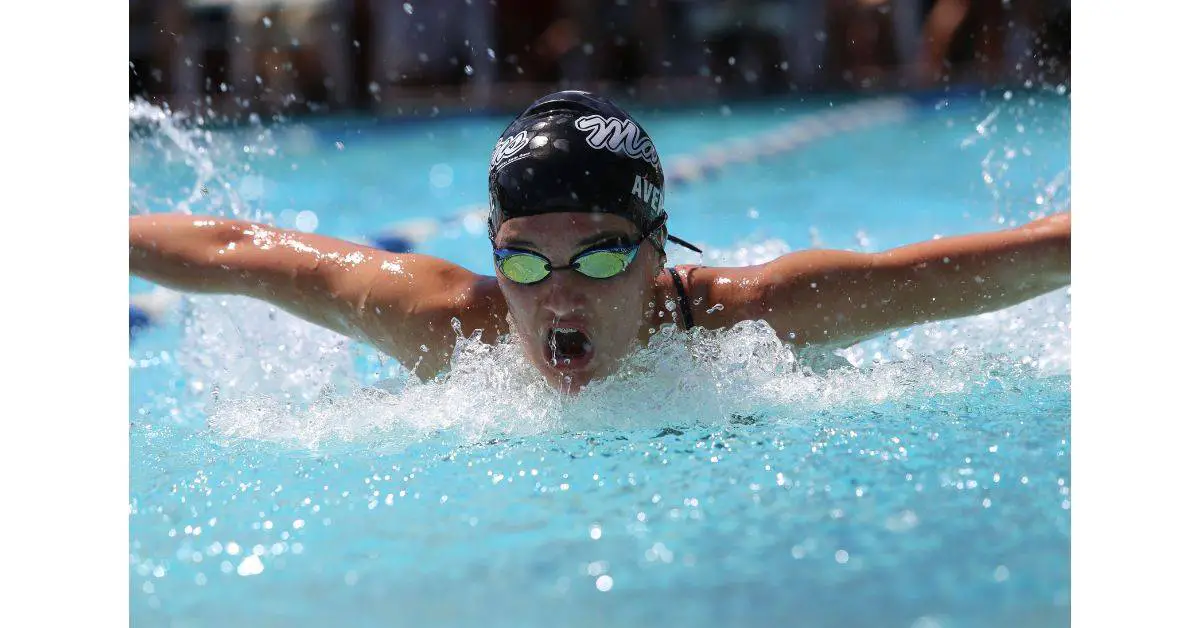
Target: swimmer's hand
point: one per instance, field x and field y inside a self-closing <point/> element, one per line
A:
<point x="401" y="303"/>
<point x="842" y="297"/>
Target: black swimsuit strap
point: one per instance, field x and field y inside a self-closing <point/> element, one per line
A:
<point x="684" y="307"/>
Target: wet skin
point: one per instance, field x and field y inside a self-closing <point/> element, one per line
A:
<point x="407" y="305"/>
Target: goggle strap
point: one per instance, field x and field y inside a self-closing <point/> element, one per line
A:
<point x="684" y="243"/>
<point x="659" y="223"/>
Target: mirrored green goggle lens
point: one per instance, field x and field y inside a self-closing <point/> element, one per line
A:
<point x="601" y="264"/>
<point x="524" y="268"/>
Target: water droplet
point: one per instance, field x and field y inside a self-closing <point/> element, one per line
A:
<point x="1000" y="574"/>
<point x="604" y="583"/>
<point x="250" y="566"/>
<point x="441" y="176"/>
<point x="306" y="221"/>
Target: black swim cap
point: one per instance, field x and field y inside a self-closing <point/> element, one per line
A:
<point x="572" y="151"/>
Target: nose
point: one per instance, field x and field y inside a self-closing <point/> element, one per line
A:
<point x="563" y="293"/>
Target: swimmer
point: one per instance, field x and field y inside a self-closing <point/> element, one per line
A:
<point x="578" y="227"/>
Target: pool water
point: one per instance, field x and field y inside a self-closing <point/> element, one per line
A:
<point x="281" y="475"/>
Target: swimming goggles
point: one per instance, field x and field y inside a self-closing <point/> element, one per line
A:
<point x="602" y="262"/>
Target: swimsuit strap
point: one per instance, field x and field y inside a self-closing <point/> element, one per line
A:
<point x="684" y="306"/>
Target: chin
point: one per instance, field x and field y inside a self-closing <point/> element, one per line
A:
<point x="568" y="381"/>
<point x="571" y="379"/>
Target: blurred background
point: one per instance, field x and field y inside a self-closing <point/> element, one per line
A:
<point x="229" y="58"/>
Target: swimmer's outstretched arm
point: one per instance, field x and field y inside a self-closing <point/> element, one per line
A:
<point x="843" y="297"/>
<point x="397" y="302"/>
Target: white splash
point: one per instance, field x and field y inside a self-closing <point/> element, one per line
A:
<point x="701" y="377"/>
<point x="168" y="150"/>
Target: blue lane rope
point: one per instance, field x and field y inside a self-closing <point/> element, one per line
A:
<point x="150" y="309"/>
<point x="715" y="160"/>
<point x="405" y="237"/>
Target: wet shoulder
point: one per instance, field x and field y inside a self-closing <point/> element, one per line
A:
<point x="423" y="332"/>
<point x="480" y="304"/>
<point x="722" y="296"/>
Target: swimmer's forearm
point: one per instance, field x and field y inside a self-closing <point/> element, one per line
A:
<point x="220" y="256"/>
<point x="203" y="254"/>
<point x="842" y="297"/>
<point x="217" y="255"/>
<point x="180" y="251"/>
<point x="195" y="253"/>
<point x="968" y="275"/>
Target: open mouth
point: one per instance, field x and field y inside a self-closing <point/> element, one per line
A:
<point x="568" y="348"/>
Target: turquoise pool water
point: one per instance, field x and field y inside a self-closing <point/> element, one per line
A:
<point x="280" y="475"/>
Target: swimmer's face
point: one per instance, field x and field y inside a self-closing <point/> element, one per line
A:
<point x="574" y="328"/>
